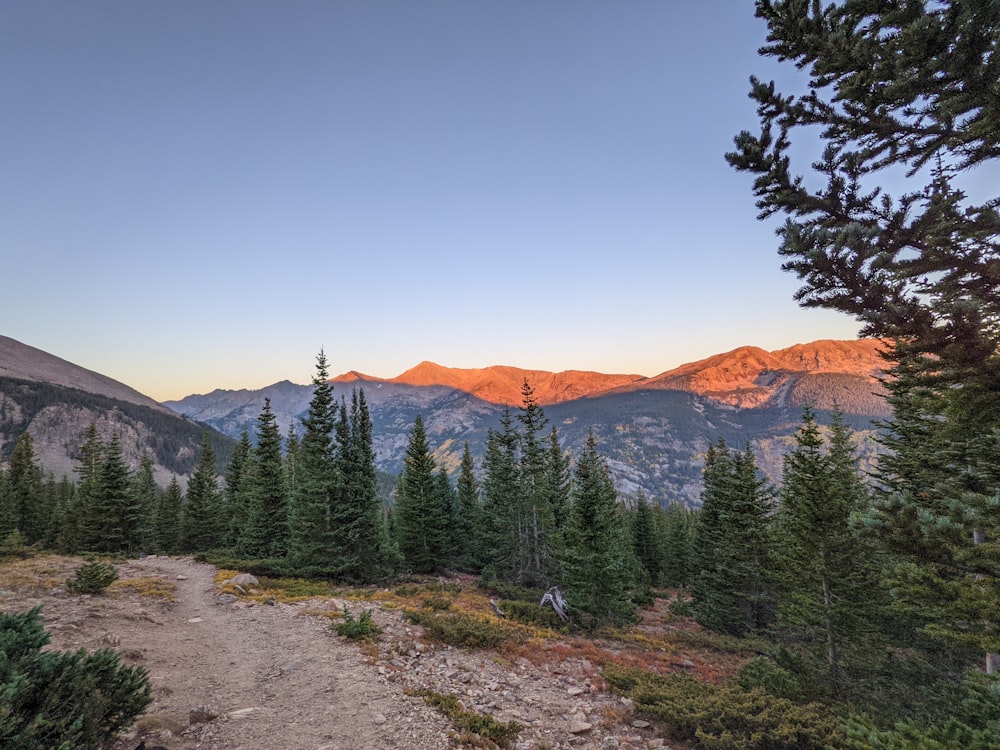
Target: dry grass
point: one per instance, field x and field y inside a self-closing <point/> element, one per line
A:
<point x="149" y="586"/>
<point x="36" y="575"/>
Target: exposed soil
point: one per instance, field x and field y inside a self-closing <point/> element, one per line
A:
<point x="277" y="677"/>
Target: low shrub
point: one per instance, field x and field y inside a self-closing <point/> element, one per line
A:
<point x="92" y="578"/>
<point x="364" y="628"/>
<point x="486" y="727"/>
<point x="531" y="614"/>
<point x="463" y="631"/>
<point x="510" y="591"/>
<point x="63" y="700"/>
<point x="726" y="718"/>
<point x="437" y="603"/>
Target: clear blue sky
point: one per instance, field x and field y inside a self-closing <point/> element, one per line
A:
<point x="199" y="195"/>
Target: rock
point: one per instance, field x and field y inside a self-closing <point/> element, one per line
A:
<point x="379" y="719"/>
<point x="202" y="714"/>
<point x="182" y="578"/>
<point x="195" y="619"/>
<point x="580" y="727"/>
<point x="226" y="598"/>
<point x="640" y="724"/>
<point x="244" y="579"/>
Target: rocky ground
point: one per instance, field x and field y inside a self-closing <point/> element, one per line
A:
<point x="233" y="674"/>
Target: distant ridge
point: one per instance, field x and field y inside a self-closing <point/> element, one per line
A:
<point x="501" y="384"/>
<point x="25" y="362"/>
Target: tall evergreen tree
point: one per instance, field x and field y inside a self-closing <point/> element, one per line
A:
<point x="677" y="532"/>
<point x="146" y="494"/>
<point x="202" y="524"/>
<point x="82" y="524"/>
<point x="730" y="588"/>
<point x="500" y="485"/>
<point x="468" y="525"/>
<point x="903" y="94"/>
<point x="646" y="543"/>
<point x="357" y="531"/>
<point x="535" y="549"/>
<point x="237" y="503"/>
<point x="311" y="548"/>
<point x="598" y="565"/>
<point x="266" y="530"/>
<point x="557" y="484"/>
<point x="827" y="581"/>
<point x="25" y="498"/>
<point x="169" y="511"/>
<point x="116" y="512"/>
<point x="422" y="518"/>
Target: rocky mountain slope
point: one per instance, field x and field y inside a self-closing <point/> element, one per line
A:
<point x="56" y="401"/>
<point x="654" y="431"/>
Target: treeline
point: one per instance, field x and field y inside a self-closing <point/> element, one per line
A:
<point x="311" y="506"/>
<point x="172" y="439"/>
<point x="846" y="608"/>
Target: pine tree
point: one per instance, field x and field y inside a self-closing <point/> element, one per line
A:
<point x="827" y="581"/>
<point x="557" y="484"/>
<point x="468" y="524"/>
<point x="598" y="565"/>
<point x="202" y="524"/>
<point x="23" y="488"/>
<point x="907" y="93"/>
<point x="422" y="519"/>
<point x="535" y="550"/>
<point x="646" y="543"/>
<point x="167" y="527"/>
<point x="677" y="531"/>
<point x="237" y="503"/>
<point x="81" y="525"/>
<point x="500" y="485"/>
<point x="730" y="588"/>
<point x="115" y="510"/>
<point x="311" y="549"/>
<point x="146" y="492"/>
<point x="266" y="530"/>
<point x="357" y="532"/>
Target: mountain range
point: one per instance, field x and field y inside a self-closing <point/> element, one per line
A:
<point x="653" y="430"/>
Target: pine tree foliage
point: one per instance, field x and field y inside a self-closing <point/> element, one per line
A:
<point x="357" y="530"/>
<point x="646" y="542"/>
<point x="468" y="517"/>
<point x="598" y="567"/>
<point x="236" y="500"/>
<point x="311" y="547"/>
<point x="903" y="94"/>
<point x="422" y="515"/>
<point x="202" y="523"/>
<point x="22" y="500"/>
<point x="827" y="575"/>
<point x="500" y="486"/>
<point x="536" y="527"/>
<point x="677" y="532"/>
<point x="167" y="522"/>
<point x="266" y="531"/>
<point x="146" y="495"/>
<point x="731" y="590"/>
<point x="54" y="700"/>
<point x="80" y="526"/>
<point x="115" y="511"/>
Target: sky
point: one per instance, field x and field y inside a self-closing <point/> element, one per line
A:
<point x="199" y="195"/>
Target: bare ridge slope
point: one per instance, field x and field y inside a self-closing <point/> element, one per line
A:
<point x="25" y="362"/>
<point x="500" y="384"/>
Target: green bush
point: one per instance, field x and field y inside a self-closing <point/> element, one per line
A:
<point x="726" y="718"/>
<point x="510" y="591"/>
<point x="362" y="628"/>
<point x="92" y="578"/>
<point x="62" y="700"/>
<point x="501" y="733"/>
<point x="761" y="672"/>
<point x="461" y="630"/>
<point x="531" y="614"/>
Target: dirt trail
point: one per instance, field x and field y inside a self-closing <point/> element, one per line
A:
<point x="275" y="678"/>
